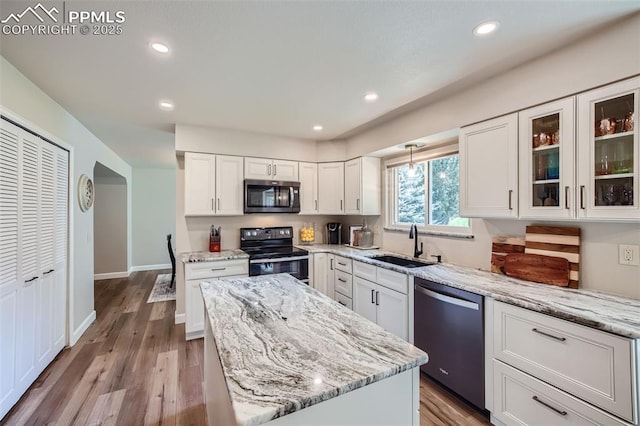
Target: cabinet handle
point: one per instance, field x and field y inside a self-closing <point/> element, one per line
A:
<point x="32" y="279"/>
<point x="316" y="205"/>
<point x="566" y="197"/>
<point x="48" y="272"/>
<point x="269" y="169"/>
<point x="549" y="406"/>
<point x="372" y="301"/>
<point x="377" y="298"/>
<point x="275" y="169"/>
<point x="212" y="206"/>
<point x="342" y="264"/>
<point x="218" y="204"/>
<point x="342" y="303"/>
<point x="582" y="197"/>
<point x="340" y="205"/>
<point x="358" y="204"/>
<point x="218" y="269"/>
<point x="342" y="280"/>
<point x="510" y="192"/>
<point x="561" y="339"/>
<point x="331" y="264"/>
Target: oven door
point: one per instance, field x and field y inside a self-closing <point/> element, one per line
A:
<point x="298" y="266"/>
<point x="262" y="196"/>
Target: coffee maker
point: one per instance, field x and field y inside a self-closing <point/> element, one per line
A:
<point x="334" y="233"/>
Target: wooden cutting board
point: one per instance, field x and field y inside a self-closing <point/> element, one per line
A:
<point x="501" y="247"/>
<point x="537" y="268"/>
<point x="556" y="241"/>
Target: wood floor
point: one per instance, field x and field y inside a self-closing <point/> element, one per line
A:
<point x="133" y="367"/>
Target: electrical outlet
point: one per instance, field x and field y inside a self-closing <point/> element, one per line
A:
<point x="629" y="254"/>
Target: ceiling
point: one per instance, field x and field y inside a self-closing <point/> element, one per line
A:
<point x="280" y="67"/>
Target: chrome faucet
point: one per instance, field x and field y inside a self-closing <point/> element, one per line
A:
<point x="413" y="234"/>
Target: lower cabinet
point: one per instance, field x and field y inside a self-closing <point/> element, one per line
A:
<point x="195" y="273"/>
<point x="377" y="302"/>
<point x="551" y="371"/>
<point x="521" y="399"/>
<point x="319" y="275"/>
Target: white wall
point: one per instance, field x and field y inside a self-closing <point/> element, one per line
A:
<point x="154" y="215"/>
<point x="22" y="99"/>
<point x="110" y="226"/>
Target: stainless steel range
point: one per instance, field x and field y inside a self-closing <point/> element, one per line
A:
<point x="271" y="251"/>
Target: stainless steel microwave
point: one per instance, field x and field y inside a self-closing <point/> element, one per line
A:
<point x="268" y="196"/>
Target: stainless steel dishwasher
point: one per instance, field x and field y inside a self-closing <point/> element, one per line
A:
<point x="449" y="326"/>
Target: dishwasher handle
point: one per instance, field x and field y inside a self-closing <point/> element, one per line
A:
<point x="447" y="299"/>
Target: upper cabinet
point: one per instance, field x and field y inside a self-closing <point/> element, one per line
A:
<point x="330" y="188"/>
<point x="308" y="188"/>
<point x="212" y="185"/>
<point x="489" y="168"/>
<point x="547" y="161"/>
<point x="362" y="186"/>
<point x="267" y="169"/>
<point x="608" y="152"/>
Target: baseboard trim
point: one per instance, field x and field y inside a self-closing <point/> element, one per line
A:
<point x="78" y="332"/>
<point x="150" y="267"/>
<point x="180" y="318"/>
<point x="111" y="275"/>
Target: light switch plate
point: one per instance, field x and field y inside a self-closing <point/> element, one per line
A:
<point x="629" y="254"/>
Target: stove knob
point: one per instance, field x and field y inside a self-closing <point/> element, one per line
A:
<point x="254" y="233"/>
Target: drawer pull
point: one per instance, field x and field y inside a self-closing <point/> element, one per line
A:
<point x="549" y="406"/>
<point x="342" y="303"/>
<point x="218" y="269"/>
<point x="561" y="339"/>
<point x="343" y="264"/>
<point x="342" y="280"/>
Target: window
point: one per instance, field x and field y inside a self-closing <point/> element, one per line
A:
<point x="429" y="198"/>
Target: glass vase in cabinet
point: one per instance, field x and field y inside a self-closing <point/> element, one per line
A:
<point x="547" y="160"/>
<point x="608" y="152"/>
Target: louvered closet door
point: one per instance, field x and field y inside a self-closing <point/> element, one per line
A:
<point x="9" y="152"/>
<point x="60" y="250"/>
<point x="28" y="314"/>
<point x="46" y="235"/>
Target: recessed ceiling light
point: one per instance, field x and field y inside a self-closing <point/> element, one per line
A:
<point x="166" y="105"/>
<point x="317" y="127"/>
<point x="159" y="47"/>
<point x="486" y="28"/>
<point x="371" y="97"/>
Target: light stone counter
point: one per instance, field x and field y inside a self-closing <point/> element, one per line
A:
<point x="207" y="256"/>
<point x="284" y="346"/>
<point x="594" y="309"/>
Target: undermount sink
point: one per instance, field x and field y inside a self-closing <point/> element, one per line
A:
<point x="401" y="261"/>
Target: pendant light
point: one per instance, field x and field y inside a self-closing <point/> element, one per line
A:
<point x="412" y="171"/>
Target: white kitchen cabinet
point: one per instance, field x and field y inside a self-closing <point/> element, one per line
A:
<point x="331" y="278"/>
<point x="592" y="365"/>
<point x="308" y="188"/>
<point x="362" y="186"/>
<point x="213" y="185"/>
<point x="609" y="152"/>
<point x="489" y="168"/>
<point x="33" y="258"/>
<point x="385" y="301"/>
<point x="547" y="161"/>
<point x="268" y="169"/>
<point x="319" y="264"/>
<point x="331" y="188"/>
<point x="194" y="274"/>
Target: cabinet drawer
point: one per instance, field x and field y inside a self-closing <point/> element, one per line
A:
<point x="218" y="268"/>
<point x="394" y="280"/>
<point x="590" y="364"/>
<point x="344" y="283"/>
<point x="364" y="270"/>
<point x="342" y="264"/>
<point x="343" y="300"/>
<point x="520" y="399"/>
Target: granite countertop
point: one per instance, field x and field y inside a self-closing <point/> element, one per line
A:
<point x="615" y="314"/>
<point x="284" y="346"/>
<point x="207" y="256"/>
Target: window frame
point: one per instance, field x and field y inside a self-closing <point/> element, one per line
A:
<point x="391" y="190"/>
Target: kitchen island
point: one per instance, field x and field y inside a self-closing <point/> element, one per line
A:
<point x="279" y="352"/>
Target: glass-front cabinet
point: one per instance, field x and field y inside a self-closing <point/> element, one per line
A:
<point x="608" y="152"/>
<point x="547" y="160"/>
